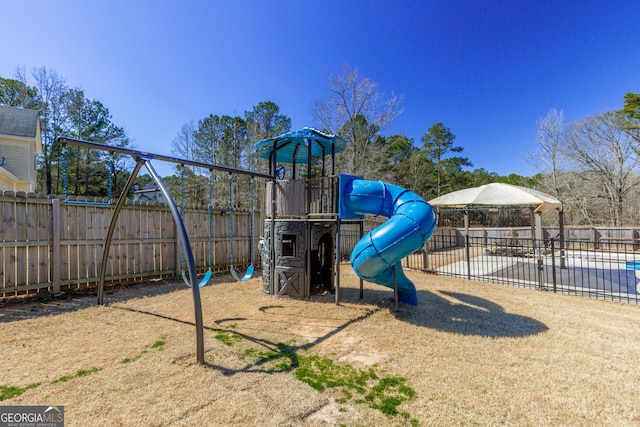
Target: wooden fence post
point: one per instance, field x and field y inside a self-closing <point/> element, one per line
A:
<point x="55" y="246"/>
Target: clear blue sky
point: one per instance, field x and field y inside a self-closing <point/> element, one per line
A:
<point x="489" y="70"/>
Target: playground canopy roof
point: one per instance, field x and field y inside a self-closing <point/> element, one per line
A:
<point x="292" y="147"/>
<point x="498" y="194"/>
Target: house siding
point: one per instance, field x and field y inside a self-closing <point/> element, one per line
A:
<point x="19" y="144"/>
<point x="17" y="159"/>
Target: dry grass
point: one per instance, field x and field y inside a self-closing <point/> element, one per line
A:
<point x="474" y="353"/>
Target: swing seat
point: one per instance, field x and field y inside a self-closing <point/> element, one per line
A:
<point x="203" y="282"/>
<point x="246" y="276"/>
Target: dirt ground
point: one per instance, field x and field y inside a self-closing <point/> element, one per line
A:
<point x="469" y="354"/>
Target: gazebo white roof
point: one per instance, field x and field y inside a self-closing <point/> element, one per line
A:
<point x="498" y="194"/>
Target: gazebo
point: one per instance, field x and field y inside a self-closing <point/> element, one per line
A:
<point x="499" y="195"/>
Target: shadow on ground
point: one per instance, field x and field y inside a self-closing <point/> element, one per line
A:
<point x="47" y="304"/>
<point x="471" y="315"/>
<point x="440" y="310"/>
<point x="455" y="312"/>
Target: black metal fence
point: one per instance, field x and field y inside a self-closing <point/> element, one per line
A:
<point x="608" y="271"/>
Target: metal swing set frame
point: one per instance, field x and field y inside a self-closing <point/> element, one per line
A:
<point x="144" y="158"/>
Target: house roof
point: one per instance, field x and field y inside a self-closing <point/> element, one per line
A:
<point x="18" y="122"/>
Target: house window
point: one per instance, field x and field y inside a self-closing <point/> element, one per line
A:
<point x="289" y="245"/>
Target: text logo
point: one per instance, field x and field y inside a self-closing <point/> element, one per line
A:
<point x="31" y="416"/>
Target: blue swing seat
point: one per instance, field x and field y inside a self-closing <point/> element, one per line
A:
<point x="246" y="276"/>
<point x="203" y="282"/>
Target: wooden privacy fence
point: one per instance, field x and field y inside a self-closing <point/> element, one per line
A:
<point x="48" y="245"/>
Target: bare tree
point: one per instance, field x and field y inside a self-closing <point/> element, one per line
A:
<point x="358" y="112"/>
<point x="52" y="89"/>
<point x="547" y="158"/>
<point x="183" y="145"/>
<point x="605" y="156"/>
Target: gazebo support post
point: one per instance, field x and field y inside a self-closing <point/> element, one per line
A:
<point x="563" y="263"/>
<point x="532" y="215"/>
<point x="466" y="232"/>
<point x="538" y="228"/>
<point x="539" y="243"/>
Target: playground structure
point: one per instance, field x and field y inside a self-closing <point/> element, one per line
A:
<point x="301" y="244"/>
<point x="302" y="230"/>
<point x="302" y="226"/>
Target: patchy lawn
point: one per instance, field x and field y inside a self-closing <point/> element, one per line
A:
<point x="469" y="354"/>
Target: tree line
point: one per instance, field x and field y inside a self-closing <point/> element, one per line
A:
<point x="66" y="111"/>
<point x="591" y="165"/>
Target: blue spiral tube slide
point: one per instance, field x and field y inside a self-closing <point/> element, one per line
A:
<point x="411" y="223"/>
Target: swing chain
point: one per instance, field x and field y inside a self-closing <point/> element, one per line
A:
<point x="230" y="221"/>
<point x="182" y="212"/>
<point x="65" y="182"/>
<point x="63" y="154"/>
<point x="111" y="173"/>
<point x="251" y="231"/>
<point x="250" y="270"/>
<point x="211" y="221"/>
